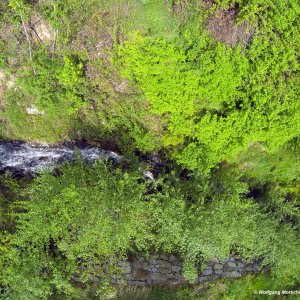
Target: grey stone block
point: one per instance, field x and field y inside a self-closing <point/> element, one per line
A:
<point x="136" y="265"/>
<point x="125" y="265"/>
<point x="164" y="257"/>
<point x="149" y="281"/>
<point x="164" y="264"/>
<point x="170" y="275"/>
<point x="233" y="274"/>
<point x="153" y="261"/>
<point x="202" y="279"/>
<point x="213" y="277"/>
<point x="179" y="277"/>
<point x="176" y="268"/>
<point x="77" y="279"/>
<point x="165" y="270"/>
<point x="153" y="269"/>
<point x="231" y="264"/>
<point x="207" y="272"/>
<point x="172" y="258"/>
<point x="158" y="277"/>
<point x="218" y="266"/>
<point x="141" y="259"/>
<point x="133" y="282"/>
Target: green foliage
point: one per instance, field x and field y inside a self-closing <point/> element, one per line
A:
<point x="177" y="87"/>
<point x="56" y="89"/>
<point x="244" y="288"/>
<point x="61" y="89"/>
<point x="215" y="100"/>
<point x="19" y="6"/>
<point x="88" y="215"/>
<point x="151" y="75"/>
<point x="96" y="216"/>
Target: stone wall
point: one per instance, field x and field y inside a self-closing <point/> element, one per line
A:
<point x="167" y="270"/>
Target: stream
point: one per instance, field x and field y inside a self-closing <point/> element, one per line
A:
<point x="21" y="159"/>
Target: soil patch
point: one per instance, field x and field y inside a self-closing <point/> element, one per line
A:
<point x="223" y="27"/>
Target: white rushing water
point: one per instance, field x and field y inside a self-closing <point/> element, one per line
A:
<point x="25" y="158"/>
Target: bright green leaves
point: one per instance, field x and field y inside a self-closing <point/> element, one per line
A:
<point x="20" y="7"/>
<point x="161" y="74"/>
<point x="215" y="101"/>
<point x="221" y="72"/>
<point x="71" y="72"/>
<point x="157" y="67"/>
<point x="177" y="88"/>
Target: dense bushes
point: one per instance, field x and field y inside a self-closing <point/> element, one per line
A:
<point x="88" y="215"/>
<point x="215" y="100"/>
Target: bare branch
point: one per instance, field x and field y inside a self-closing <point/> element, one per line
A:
<point x="27" y="36"/>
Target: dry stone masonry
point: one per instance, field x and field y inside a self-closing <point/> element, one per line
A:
<point x="167" y="270"/>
